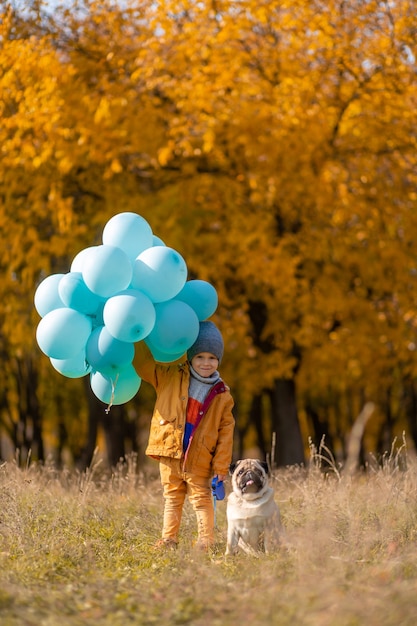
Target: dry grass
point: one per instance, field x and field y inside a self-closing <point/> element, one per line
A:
<point x="78" y="549"/>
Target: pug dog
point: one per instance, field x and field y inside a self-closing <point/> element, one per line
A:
<point x="253" y="517"/>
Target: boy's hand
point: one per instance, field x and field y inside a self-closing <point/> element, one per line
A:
<point x="220" y="477"/>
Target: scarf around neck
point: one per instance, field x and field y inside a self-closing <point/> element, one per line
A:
<point x="198" y="389"/>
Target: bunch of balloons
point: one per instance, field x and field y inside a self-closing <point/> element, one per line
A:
<point x="130" y="288"/>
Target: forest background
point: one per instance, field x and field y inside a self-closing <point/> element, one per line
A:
<point x="273" y="144"/>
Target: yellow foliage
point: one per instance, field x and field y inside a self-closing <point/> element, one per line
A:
<point x="272" y="143"/>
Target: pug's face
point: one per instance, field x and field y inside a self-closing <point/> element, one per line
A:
<point x="249" y="478"/>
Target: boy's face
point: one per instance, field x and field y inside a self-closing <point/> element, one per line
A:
<point x="205" y="364"/>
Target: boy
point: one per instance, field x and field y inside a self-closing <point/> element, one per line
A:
<point x="191" y="432"/>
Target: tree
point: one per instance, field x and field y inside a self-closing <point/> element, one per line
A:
<point x="273" y="146"/>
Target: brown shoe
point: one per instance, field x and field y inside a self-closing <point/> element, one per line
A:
<point x="203" y="546"/>
<point x="166" y="544"/>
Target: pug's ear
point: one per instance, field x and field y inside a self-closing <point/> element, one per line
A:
<point x="265" y="466"/>
<point x="232" y="468"/>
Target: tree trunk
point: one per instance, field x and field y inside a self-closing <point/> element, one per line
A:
<point x="94" y="414"/>
<point x="410" y="401"/>
<point x="240" y="431"/>
<point x="386" y="433"/>
<point x="321" y="426"/>
<point x="289" y="449"/>
<point x="115" y="431"/>
<point x="28" y="432"/>
<point x="34" y="411"/>
<point x="256" y="417"/>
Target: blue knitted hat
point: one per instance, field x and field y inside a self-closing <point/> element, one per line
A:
<point x="209" y="340"/>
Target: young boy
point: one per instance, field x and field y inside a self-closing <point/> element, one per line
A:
<point x="191" y="432"/>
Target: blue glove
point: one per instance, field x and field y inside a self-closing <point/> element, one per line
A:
<point x="217" y="488"/>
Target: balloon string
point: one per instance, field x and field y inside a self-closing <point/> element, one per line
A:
<point x="113" y="387"/>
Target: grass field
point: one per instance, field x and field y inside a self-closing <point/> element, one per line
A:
<point x="78" y="549"/>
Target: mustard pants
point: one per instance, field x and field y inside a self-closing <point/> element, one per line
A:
<point x="176" y="485"/>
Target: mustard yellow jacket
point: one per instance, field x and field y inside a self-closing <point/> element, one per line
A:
<point x="210" y="451"/>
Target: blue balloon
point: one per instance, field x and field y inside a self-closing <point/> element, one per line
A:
<point x="107" y="270"/>
<point x="107" y="354"/>
<point x="129" y="232"/>
<point x="201" y="296"/>
<point x="47" y="297"/>
<point x="75" y="367"/>
<point x="163" y="357"/>
<point x="63" y="333"/>
<point x="160" y="272"/>
<point x="97" y="317"/>
<point x="129" y="316"/>
<point x="79" y="260"/>
<point x="118" y="389"/>
<point x="176" y="327"/>
<point x="75" y="294"/>
<point x="157" y="241"/>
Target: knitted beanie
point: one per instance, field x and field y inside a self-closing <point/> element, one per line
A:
<point x="209" y="340"/>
